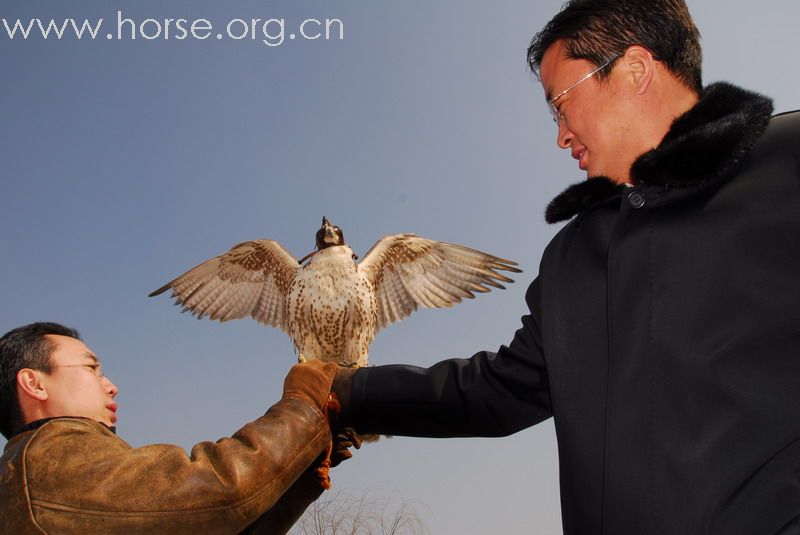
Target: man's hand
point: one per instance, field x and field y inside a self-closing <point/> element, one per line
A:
<point x="344" y="436"/>
<point x="343" y="440"/>
<point x="310" y="382"/>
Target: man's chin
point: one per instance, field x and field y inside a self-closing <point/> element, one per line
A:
<point x="590" y="176"/>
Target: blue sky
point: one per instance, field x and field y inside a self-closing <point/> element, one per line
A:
<point x="125" y="162"/>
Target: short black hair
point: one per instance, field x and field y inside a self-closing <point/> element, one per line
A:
<point x="600" y="30"/>
<point x="24" y="347"/>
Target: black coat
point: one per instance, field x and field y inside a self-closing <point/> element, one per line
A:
<point x="663" y="336"/>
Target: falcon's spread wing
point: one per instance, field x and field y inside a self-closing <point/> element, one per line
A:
<point x="408" y="271"/>
<point x="252" y="279"/>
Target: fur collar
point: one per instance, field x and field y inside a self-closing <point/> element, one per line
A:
<point x="700" y="149"/>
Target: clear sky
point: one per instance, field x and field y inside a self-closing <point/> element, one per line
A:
<point x="126" y="162"/>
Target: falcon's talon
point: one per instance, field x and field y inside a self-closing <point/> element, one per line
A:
<point x="301" y="359"/>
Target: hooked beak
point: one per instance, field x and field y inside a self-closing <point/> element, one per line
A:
<point x="326" y="225"/>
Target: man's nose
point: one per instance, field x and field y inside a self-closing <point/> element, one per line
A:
<point x="565" y="135"/>
<point x="111" y="388"/>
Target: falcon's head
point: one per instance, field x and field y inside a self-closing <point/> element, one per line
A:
<point x="329" y="235"/>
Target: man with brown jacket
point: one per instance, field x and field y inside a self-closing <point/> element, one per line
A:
<point x="64" y="470"/>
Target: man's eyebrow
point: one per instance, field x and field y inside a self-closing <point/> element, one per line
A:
<point x="92" y="356"/>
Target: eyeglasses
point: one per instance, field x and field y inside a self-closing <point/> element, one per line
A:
<point x="94" y="368"/>
<point x="551" y="104"/>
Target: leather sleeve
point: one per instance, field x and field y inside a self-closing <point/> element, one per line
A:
<point x="83" y="479"/>
<point x="489" y="394"/>
<point x="290" y="507"/>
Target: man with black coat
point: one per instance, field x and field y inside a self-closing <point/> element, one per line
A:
<point x="664" y="327"/>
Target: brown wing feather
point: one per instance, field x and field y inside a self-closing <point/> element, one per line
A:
<point x="408" y="271"/>
<point x="252" y="279"/>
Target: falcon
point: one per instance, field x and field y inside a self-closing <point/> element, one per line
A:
<point x="329" y="305"/>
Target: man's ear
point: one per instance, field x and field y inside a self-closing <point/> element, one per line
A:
<point x="641" y="67"/>
<point x="30" y="384"/>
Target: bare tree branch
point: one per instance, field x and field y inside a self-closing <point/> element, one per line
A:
<point x="344" y="514"/>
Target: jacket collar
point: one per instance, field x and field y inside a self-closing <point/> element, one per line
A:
<point x="700" y="149"/>
<point x="36" y="424"/>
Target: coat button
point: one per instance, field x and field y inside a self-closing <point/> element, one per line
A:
<point x="636" y="199"/>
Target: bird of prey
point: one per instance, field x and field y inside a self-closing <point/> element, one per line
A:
<point x="329" y="305"/>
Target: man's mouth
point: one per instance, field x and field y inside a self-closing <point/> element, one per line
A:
<point x="580" y="155"/>
<point x="113" y="408"/>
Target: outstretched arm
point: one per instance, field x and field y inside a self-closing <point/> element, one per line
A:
<point x="489" y="394"/>
<point x="83" y="479"/>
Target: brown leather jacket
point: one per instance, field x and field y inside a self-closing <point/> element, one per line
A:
<point x="74" y="475"/>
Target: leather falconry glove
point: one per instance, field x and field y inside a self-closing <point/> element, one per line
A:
<point x="310" y="382"/>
